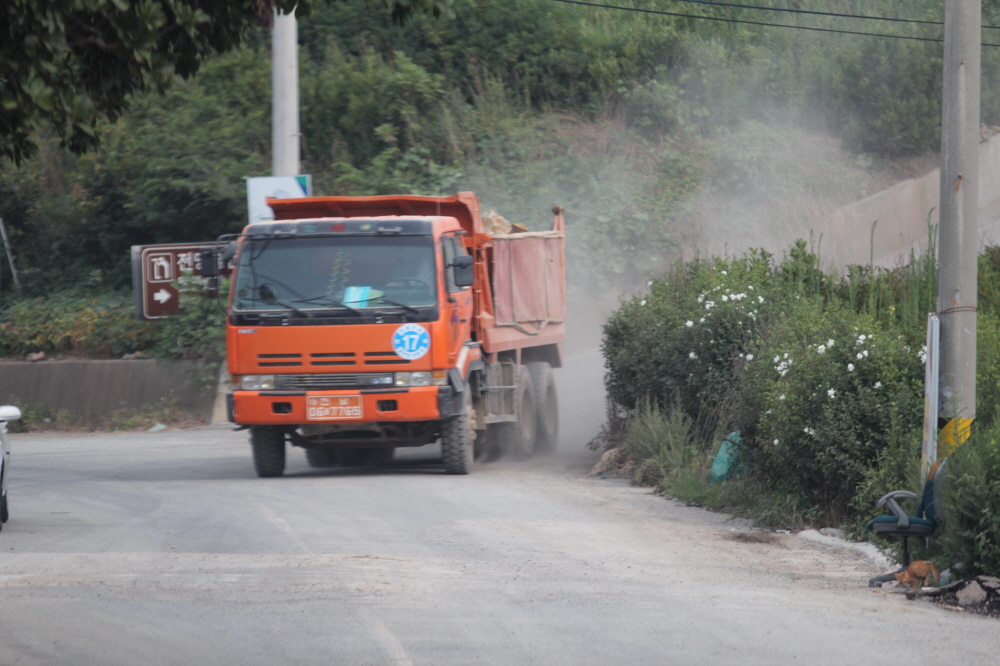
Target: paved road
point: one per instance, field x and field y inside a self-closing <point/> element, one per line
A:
<point x="163" y="548"/>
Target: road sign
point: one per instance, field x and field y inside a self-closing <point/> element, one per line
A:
<point x="275" y="187"/>
<point x="155" y="272"/>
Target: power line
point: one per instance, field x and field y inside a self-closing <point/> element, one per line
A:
<point x="819" y="13"/>
<point x="761" y="23"/>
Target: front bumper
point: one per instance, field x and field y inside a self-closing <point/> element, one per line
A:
<point x="415" y="403"/>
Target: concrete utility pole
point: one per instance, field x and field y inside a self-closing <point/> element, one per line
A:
<point x="285" y="96"/>
<point x="958" y="237"/>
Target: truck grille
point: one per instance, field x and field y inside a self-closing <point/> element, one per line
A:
<point x="320" y="382"/>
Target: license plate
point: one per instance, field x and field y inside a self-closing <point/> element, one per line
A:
<point x="332" y="408"/>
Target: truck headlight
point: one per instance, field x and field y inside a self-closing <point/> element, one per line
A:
<point x="413" y="379"/>
<point x="257" y="382"/>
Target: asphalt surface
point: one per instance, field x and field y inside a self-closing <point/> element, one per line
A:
<point x="164" y="548"/>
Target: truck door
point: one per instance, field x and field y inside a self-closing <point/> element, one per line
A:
<point x="458" y="308"/>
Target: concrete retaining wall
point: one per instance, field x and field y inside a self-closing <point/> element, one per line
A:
<point x="98" y="388"/>
<point x="902" y="213"/>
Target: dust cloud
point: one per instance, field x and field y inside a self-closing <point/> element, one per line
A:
<point x="580" y="382"/>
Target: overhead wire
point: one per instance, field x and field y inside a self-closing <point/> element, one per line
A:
<point x="790" y="10"/>
<point x="760" y="23"/>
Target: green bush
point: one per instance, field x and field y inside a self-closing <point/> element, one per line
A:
<point x="198" y="330"/>
<point x="818" y="372"/>
<point x="972" y="532"/>
<point x="829" y="392"/>
<point x="66" y="323"/>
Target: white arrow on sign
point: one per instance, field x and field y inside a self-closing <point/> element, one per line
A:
<point x="162" y="296"/>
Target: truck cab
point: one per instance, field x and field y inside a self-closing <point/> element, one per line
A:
<point x="351" y="332"/>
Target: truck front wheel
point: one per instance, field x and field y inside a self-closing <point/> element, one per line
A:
<point x="268" y="446"/>
<point x="458" y="439"/>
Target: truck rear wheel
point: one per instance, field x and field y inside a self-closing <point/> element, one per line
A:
<point x="519" y="438"/>
<point x="458" y="439"/>
<point x="268" y="445"/>
<point x="321" y="457"/>
<point x="546" y="405"/>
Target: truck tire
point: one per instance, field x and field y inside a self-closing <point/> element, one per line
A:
<point x="458" y="439"/>
<point x="518" y="439"/>
<point x="321" y="457"/>
<point x="268" y="446"/>
<point x="546" y="405"/>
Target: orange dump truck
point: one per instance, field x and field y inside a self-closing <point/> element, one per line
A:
<point x="357" y="325"/>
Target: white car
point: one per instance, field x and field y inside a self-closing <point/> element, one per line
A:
<point x="7" y="413"/>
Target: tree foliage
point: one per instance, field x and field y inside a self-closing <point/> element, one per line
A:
<point x="70" y="63"/>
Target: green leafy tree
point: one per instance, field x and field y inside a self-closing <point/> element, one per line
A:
<point x="70" y="63"/>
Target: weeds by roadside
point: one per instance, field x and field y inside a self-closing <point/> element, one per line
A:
<point x="43" y="418"/>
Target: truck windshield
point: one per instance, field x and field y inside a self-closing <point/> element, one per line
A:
<point x="325" y="273"/>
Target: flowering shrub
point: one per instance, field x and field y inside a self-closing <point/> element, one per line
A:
<point x="684" y="340"/>
<point x="830" y="390"/>
<point x="819" y="373"/>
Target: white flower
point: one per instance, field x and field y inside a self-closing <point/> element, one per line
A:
<point x="643" y="302"/>
<point x="760" y="299"/>
<point x="649" y="284"/>
<point x="709" y="305"/>
<point x="749" y="357"/>
<point x="809" y="431"/>
<point x="821" y="349"/>
<point x="786" y="354"/>
<point x="701" y="298"/>
<point x="768" y="411"/>
<point x="865" y="352"/>
<point x="692" y="355"/>
<point x="725" y="273"/>
<point x="829" y="343"/>
<point x="750" y="287"/>
<point x="860" y="356"/>
<point x="775" y="442"/>
<point x="878" y="384"/>
<point x="781" y="397"/>
<point x="701" y="321"/>
<point x="724" y="298"/>
<point x="850" y="367"/>
<point x="689" y="323"/>
<point x="832" y="393"/>
<point x="777" y="359"/>
<point x="862" y="338"/>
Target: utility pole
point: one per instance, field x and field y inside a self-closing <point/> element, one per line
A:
<point x="958" y="230"/>
<point x="285" y="96"/>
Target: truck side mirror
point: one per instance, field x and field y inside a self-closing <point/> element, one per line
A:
<point x="462" y="273"/>
<point x="209" y="263"/>
<point x="228" y="253"/>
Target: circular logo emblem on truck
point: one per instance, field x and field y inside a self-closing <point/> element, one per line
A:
<point x="411" y="341"/>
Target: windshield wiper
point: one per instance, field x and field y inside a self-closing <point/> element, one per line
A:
<point x="396" y="303"/>
<point x="294" y="309"/>
<point x="326" y="300"/>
